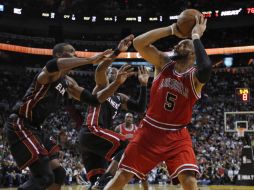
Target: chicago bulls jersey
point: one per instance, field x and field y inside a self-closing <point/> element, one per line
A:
<point x="128" y="133"/>
<point x="172" y="98"/>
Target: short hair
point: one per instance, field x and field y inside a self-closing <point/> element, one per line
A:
<point x="109" y="69"/>
<point x="128" y="113"/>
<point x="59" y="48"/>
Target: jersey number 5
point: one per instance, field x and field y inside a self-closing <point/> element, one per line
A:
<point x="170" y="102"/>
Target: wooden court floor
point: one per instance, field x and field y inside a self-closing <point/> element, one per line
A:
<point x="160" y="187"/>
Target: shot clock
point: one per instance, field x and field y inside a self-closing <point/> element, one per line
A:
<point x="242" y="94"/>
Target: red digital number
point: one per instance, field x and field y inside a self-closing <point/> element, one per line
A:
<point x="250" y="10"/>
<point x="245" y="97"/>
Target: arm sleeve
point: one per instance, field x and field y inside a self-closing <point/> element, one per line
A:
<point x="204" y="66"/>
<point x="52" y="66"/>
<point x="140" y="104"/>
<point x="88" y="98"/>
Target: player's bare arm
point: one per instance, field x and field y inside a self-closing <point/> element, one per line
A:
<point x="55" y="68"/>
<point x="204" y="66"/>
<point x="100" y="74"/>
<point x="117" y="129"/>
<point x="138" y="105"/>
<point x="81" y="94"/>
<point x="143" y="44"/>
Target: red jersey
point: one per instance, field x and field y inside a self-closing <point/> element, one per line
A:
<point x="172" y="98"/>
<point x="128" y="133"/>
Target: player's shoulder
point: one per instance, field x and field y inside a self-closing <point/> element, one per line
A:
<point x="167" y="61"/>
<point x="188" y="71"/>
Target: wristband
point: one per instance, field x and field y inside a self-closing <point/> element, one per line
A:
<point x="116" y="52"/>
<point x="195" y="35"/>
<point x="172" y="30"/>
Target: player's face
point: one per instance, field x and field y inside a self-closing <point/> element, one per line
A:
<point x="69" y="51"/>
<point x="129" y="118"/>
<point x="183" y="49"/>
<point x="112" y="72"/>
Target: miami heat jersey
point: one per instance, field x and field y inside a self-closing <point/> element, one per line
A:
<point x="41" y="100"/>
<point x="104" y="114"/>
<point x="127" y="132"/>
<point x="172" y="98"/>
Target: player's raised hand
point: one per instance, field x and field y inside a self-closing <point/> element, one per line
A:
<point x="102" y="56"/>
<point x="125" y="43"/>
<point x="143" y="75"/>
<point x="199" y="28"/>
<point x="176" y="32"/>
<point x="123" y="73"/>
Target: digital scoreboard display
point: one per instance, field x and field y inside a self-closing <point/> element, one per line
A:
<point x="242" y="94"/>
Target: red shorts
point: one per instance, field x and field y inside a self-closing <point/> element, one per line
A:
<point x="151" y="146"/>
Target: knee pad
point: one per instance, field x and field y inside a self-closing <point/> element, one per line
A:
<point x="60" y="175"/>
<point x="48" y="179"/>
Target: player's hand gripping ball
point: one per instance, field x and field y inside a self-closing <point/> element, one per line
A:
<point x="186" y="21"/>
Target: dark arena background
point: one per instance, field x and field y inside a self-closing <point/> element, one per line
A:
<point x="222" y="125"/>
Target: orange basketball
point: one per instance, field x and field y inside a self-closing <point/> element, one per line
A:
<point x="186" y="21"/>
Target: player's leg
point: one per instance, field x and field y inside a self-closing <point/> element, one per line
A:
<point x="188" y="180"/>
<point x="138" y="159"/>
<point x="121" y="178"/>
<point x="42" y="176"/>
<point x="27" y="150"/>
<point x="106" y="144"/>
<point x="95" y="165"/>
<point x="112" y="168"/>
<point x="59" y="172"/>
<point x="145" y="184"/>
<point x="181" y="162"/>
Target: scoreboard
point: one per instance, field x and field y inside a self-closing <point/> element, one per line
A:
<point x="242" y="94"/>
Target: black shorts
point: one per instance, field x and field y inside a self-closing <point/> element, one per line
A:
<point x="98" y="146"/>
<point x="95" y="165"/>
<point x="28" y="145"/>
<point x="102" y="142"/>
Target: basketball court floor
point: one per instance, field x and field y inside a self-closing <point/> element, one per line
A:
<point x="160" y="187"/>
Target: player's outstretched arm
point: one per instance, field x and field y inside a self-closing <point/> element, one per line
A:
<point x="83" y="95"/>
<point x="138" y="105"/>
<point x="100" y="73"/>
<point x="122" y="74"/>
<point x="204" y="65"/>
<point x="66" y="64"/>
<point x="55" y="67"/>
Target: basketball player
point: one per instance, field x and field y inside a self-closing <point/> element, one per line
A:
<point x="128" y="129"/>
<point x="29" y="146"/>
<point x="99" y="144"/>
<point x="163" y="135"/>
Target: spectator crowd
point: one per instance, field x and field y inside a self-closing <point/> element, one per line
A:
<point x="218" y="153"/>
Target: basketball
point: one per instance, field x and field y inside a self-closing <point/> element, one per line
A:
<point x="186" y="21"/>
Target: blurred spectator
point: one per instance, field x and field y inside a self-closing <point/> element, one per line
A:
<point x="218" y="153"/>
